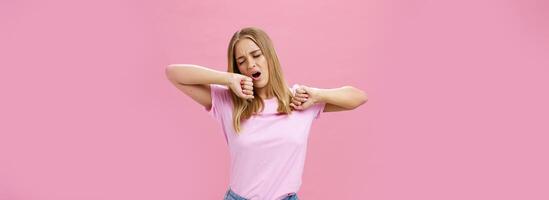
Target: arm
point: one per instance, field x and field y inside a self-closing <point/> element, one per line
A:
<point x="336" y="99"/>
<point x="343" y="98"/>
<point x="194" y="81"/>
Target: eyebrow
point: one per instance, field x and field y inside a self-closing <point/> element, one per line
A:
<point x="250" y="53"/>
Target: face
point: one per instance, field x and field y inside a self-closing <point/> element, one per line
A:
<point x="251" y="62"/>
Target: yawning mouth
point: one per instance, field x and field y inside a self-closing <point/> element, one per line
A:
<point x="256" y="75"/>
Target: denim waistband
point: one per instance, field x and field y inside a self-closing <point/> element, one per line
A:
<point x="231" y="195"/>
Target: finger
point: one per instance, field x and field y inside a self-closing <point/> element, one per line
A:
<point x="248" y="83"/>
<point x="246" y="96"/>
<point x="249" y="79"/>
<point x="294" y="106"/>
<point x="248" y="92"/>
<point x="247" y="87"/>
<point x="246" y="78"/>
<point x="301" y="99"/>
<point x="303" y="95"/>
<point x="297" y="103"/>
<point x="293" y="100"/>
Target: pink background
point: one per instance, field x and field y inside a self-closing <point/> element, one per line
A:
<point x="458" y="92"/>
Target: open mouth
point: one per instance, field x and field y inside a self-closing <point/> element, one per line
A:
<point x="256" y="75"/>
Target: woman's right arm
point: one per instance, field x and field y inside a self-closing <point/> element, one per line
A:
<point x="194" y="81"/>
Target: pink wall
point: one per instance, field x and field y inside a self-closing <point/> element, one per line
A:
<point x="458" y="97"/>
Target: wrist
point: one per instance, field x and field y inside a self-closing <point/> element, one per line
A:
<point x="320" y="97"/>
<point x="228" y="78"/>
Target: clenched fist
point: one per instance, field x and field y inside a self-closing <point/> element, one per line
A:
<point x="241" y="85"/>
<point x="304" y="98"/>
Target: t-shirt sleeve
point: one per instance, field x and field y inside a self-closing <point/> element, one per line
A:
<point x="317" y="109"/>
<point x="221" y="98"/>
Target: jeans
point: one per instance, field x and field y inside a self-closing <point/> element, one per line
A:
<point x="231" y="195"/>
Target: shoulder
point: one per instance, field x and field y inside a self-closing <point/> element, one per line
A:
<point x="219" y="89"/>
<point x="220" y="92"/>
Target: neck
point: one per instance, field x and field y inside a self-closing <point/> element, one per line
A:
<point x="262" y="92"/>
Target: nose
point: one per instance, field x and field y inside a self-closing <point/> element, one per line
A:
<point x="251" y="64"/>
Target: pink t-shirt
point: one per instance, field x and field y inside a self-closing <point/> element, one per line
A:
<point x="268" y="156"/>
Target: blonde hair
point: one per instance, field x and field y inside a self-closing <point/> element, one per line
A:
<point x="243" y="109"/>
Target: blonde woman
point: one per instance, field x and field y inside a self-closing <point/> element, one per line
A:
<point x="265" y="122"/>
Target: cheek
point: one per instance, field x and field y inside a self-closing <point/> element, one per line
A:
<point x="264" y="64"/>
<point x="263" y="61"/>
<point x="241" y="69"/>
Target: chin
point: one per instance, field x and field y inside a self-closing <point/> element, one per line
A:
<point x="260" y="85"/>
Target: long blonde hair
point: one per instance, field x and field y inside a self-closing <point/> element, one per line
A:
<point x="243" y="109"/>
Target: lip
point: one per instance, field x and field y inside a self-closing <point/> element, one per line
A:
<point x="253" y="72"/>
<point x="258" y="78"/>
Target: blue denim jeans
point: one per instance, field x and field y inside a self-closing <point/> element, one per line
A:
<point x="231" y="195"/>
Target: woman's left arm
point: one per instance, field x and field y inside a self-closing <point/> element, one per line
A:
<point x="336" y="99"/>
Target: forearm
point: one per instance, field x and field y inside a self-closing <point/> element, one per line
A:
<point x="347" y="97"/>
<point x="193" y="74"/>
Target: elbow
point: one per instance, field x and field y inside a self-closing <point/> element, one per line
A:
<point x="169" y="71"/>
<point x="363" y="97"/>
<point x="173" y="73"/>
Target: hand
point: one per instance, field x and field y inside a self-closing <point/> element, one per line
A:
<point x="241" y="85"/>
<point x="304" y="98"/>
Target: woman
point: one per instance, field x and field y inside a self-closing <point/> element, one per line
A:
<point x="266" y="123"/>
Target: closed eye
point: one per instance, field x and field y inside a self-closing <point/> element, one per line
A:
<point x="255" y="56"/>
